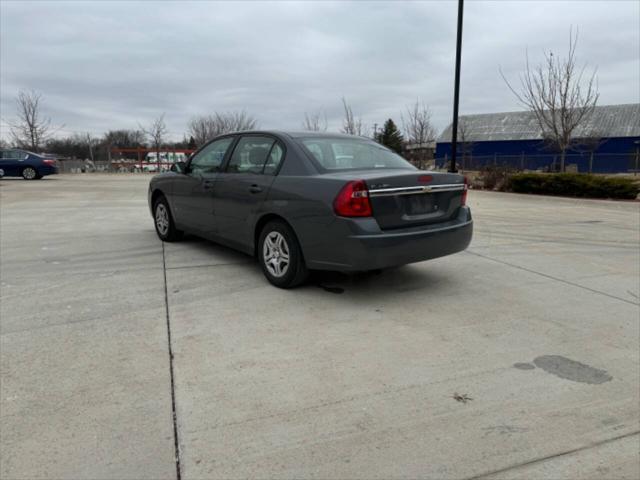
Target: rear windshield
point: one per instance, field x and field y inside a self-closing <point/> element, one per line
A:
<point x="350" y="154"/>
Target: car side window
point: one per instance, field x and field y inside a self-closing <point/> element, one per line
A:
<point x="274" y="159"/>
<point x="11" y="155"/>
<point x="210" y="158"/>
<point x="250" y="155"/>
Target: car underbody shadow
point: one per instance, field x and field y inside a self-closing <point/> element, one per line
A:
<point x="210" y="247"/>
<point x="398" y="279"/>
<point x="393" y="280"/>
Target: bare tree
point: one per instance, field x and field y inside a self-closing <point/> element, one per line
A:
<point x="121" y="139"/>
<point x="124" y="138"/>
<point x="202" y="128"/>
<point x="559" y="95"/>
<point x="30" y="129"/>
<point x="238" y="121"/>
<point x="315" y="122"/>
<point x="417" y="125"/>
<point x="465" y="145"/>
<point x="91" y="142"/>
<point x="351" y="125"/>
<point x="71" y="146"/>
<point x="156" y="133"/>
<point x="419" y="132"/>
<point x="205" y="127"/>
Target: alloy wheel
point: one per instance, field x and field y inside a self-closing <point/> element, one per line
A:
<point x="162" y="219"/>
<point x="275" y="252"/>
<point x="29" y="173"/>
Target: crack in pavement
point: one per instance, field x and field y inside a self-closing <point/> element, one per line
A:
<point x="176" y="441"/>
<point x="552" y="456"/>
<point x="209" y="265"/>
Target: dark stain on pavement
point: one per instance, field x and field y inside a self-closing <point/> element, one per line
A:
<point x="337" y="290"/>
<point x="568" y="369"/>
<point x="524" y="366"/>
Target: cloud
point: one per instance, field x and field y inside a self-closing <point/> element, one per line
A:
<point x="114" y="64"/>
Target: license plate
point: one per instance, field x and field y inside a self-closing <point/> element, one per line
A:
<point x="420" y="204"/>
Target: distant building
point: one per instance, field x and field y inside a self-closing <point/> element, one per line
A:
<point x="612" y="133"/>
<point x="167" y="157"/>
<point x="419" y="153"/>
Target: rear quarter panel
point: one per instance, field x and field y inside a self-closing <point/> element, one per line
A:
<point x="306" y="203"/>
<point x="38" y="163"/>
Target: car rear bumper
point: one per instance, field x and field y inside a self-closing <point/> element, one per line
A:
<point x="366" y="247"/>
<point x="47" y="170"/>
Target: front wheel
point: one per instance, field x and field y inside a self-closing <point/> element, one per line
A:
<point x="29" y="173"/>
<point x="163" y="220"/>
<point x="280" y="256"/>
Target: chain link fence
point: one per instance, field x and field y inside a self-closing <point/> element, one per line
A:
<point x="82" y="166"/>
<point x="582" y="163"/>
<point x="67" y="165"/>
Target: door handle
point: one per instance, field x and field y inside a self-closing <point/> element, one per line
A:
<point x="255" y="189"/>
<point x="207" y="184"/>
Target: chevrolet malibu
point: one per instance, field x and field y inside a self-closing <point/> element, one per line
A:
<point x="312" y="201"/>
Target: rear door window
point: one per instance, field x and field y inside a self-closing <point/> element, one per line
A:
<point x="274" y="159"/>
<point x="251" y="155"/>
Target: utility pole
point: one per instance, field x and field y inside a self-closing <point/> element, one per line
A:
<point x="456" y="91"/>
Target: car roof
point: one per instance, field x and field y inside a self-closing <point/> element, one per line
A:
<point x="300" y="134"/>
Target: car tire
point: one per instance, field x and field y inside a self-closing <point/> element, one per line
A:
<point x="29" y="173"/>
<point x="280" y="256"/>
<point x="163" y="221"/>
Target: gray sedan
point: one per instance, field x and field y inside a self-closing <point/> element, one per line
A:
<point x="310" y="201"/>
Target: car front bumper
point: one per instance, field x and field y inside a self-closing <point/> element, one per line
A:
<point x="366" y="247"/>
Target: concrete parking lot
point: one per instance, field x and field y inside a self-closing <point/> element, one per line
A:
<point x="518" y="358"/>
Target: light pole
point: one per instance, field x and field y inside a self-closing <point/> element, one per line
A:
<point x="456" y="90"/>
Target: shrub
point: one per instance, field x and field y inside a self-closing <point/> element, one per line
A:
<point x="574" y="185"/>
<point x="495" y="177"/>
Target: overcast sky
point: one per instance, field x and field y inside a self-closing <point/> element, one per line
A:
<point x="114" y="64"/>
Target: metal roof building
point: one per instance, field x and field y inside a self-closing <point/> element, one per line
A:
<point x="617" y="128"/>
<point x="609" y="121"/>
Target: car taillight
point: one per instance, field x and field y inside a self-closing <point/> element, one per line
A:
<point x="464" y="192"/>
<point x="353" y="200"/>
<point x="48" y="161"/>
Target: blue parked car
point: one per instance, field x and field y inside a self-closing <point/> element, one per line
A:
<point x="30" y="166"/>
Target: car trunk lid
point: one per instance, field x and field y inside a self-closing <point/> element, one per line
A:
<point x="414" y="198"/>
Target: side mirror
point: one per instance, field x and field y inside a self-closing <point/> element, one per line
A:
<point x="179" y="167"/>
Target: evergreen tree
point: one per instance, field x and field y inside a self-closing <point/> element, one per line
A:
<point x="390" y="136"/>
